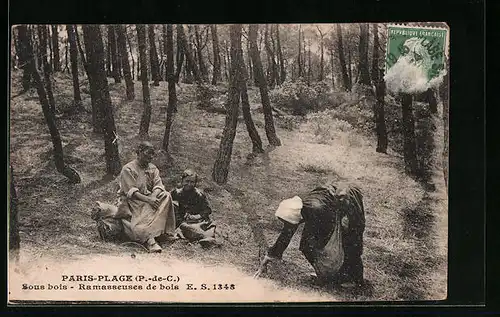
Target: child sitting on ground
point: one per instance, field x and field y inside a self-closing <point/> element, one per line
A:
<point x="192" y="211"/>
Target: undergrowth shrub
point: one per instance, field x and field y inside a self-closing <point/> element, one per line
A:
<point x="212" y="98"/>
<point x="294" y="96"/>
<point x="314" y="168"/>
<point x="220" y="100"/>
<point x="326" y="127"/>
<point x="288" y="122"/>
<point x="204" y="95"/>
<point x="299" y="98"/>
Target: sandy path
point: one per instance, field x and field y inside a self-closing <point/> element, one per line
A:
<point x="240" y="286"/>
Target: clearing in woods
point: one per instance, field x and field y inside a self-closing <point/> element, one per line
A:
<point x="405" y="251"/>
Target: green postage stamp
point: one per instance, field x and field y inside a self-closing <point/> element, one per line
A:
<point x="421" y="48"/>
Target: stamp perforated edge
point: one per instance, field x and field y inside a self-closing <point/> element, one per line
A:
<point x="422" y="25"/>
<point x="425" y="25"/>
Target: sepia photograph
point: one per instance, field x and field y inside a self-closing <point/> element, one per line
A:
<point x="228" y="163"/>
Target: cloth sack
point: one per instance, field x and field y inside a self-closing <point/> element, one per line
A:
<point x="198" y="231"/>
<point x="109" y="228"/>
<point x="330" y="259"/>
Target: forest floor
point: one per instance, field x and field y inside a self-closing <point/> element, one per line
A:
<point x="405" y="252"/>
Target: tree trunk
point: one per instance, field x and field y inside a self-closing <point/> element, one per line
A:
<point x="164" y="34"/>
<point x="199" y="51"/>
<point x="66" y="59"/>
<point x="118" y="56"/>
<point x="153" y="56"/>
<point x="42" y="46"/>
<point x="245" y="105"/>
<point x="138" y="67"/>
<point x="379" y="83"/>
<point x="146" y="114"/>
<point x="96" y="63"/>
<point x="364" y="74"/>
<point x="189" y="78"/>
<point x="221" y="167"/>
<point x="343" y="68"/>
<point x="49" y="42"/>
<point x="321" y="62"/>
<point x="14" y="238"/>
<point x="172" y="96"/>
<point x="264" y="94"/>
<point x="410" y="148"/>
<point x="189" y="55"/>
<point x="108" y="58"/>
<point x="251" y="78"/>
<point x="228" y="63"/>
<point x="445" y="100"/>
<point x="131" y="53"/>
<point x="333" y="67"/>
<point x="226" y="73"/>
<point x="80" y="49"/>
<point x="179" y="55"/>
<point x="430" y="98"/>
<point x="55" y="48"/>
<point x="299" y="58"/>
<point x="380" y="117"/>
<point x="122" y="53"/>
<point x="15" y="57"/>
<point x="269" y="72"/>
<point x="74" y="65"/>
<point x="309" y="70"/>
<point x="272" y="63"/>
<point x="190" y="42"/>
<point x="247" y="116"/>
<point x="161" y="46"/>
<point x="280" y="56"/>
<point x="61" y="167"/>
<point x="217" y="64"/>
<point x="274" y="58"/>
<point x="375" y="55"/>
<point x="37" y="40"/>
<point x="42" y="33"/>
<point x="24" y="46"/>
<point x="304" y="56"/>
<point x="48" y="38"/>
<point x="97" y="115"/>
<point x="349" y="61"/>
<point x="114" y="58"/>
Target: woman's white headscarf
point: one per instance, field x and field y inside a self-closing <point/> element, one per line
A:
<point x="289" y="210"/>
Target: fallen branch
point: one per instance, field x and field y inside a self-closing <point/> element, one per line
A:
<point x="278" y="112"/>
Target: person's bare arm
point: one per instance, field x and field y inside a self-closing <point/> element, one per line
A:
<point x="275" y="252"/>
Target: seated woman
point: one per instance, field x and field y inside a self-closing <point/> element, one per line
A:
<point x="193" y="211"/>
<point x="145" y="211"/>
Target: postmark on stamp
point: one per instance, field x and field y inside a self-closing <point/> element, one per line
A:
<point x="421" y="50"/>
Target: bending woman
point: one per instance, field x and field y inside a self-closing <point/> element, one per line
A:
<point x="334" y="219"/>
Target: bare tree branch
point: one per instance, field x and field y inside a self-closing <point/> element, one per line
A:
<point x="244" y="33"/>
<point x="205" y="29"/>
<point x="209" y="60"/>
<point x="319" y="30"/>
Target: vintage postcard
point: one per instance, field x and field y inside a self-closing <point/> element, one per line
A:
<point x="229" y="163"/>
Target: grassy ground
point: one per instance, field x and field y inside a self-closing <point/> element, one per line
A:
<point x="405" y="253"/>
